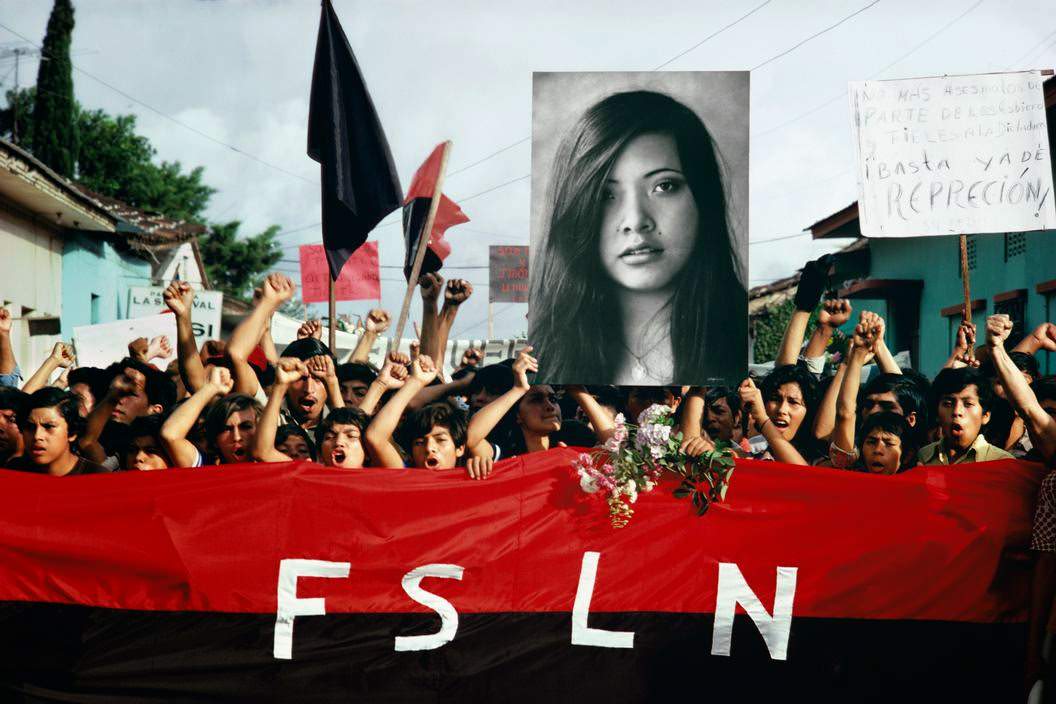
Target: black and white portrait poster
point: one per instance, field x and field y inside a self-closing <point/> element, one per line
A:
<point x="639" y="228"/>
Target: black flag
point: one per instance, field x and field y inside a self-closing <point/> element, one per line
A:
<point x="359" y="181"/>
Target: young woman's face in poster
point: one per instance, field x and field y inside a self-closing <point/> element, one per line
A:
<point x="649" y="219"/>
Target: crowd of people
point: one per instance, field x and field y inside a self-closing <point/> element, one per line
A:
<point x="238" y="400"/>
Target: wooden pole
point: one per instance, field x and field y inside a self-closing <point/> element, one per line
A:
<point x="423" y="245"/>
<point x="333" y="318"/>
<point x="491" y="321"/>
<point x="967" y="315"/>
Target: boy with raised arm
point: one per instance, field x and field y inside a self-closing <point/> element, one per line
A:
<point x="435" y="435"/>
<point x="338" y="437"/>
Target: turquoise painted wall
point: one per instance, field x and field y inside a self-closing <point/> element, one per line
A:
<point x="92" y="267"/>
<point x="936" y="261"/>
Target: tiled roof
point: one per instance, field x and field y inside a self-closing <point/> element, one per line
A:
<point x="155" y="229"/>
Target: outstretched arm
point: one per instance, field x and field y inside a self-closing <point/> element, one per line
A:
<point x="377" y="322"/>
<point x="61" y="357"/>
<point x="600" y="419"/>
<point x="276" y="290"/>
<point x="457" y="292"/>
<point x="1040" y="424"/>
<point x="392" y="376"/>
<point x="7" y="353"/>
<point x="379" y="433"/>
<point x="859" y="354"/>
<point x="485" y="420"/>
<point x="175" y="430"/>
<point x="287" y="371"/>
<point x="179" y="297"/>
<point x="781" y="449"/>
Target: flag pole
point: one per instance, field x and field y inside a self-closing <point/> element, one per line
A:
<point x="423" y="245"/>
<point x="966" y="314"/>
<point x="490" y="321"/>
<point x="333" y="317"/>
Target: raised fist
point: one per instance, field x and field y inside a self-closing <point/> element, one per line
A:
<point x="310" y="328"/>
<point x="321" y="366"/>
<point x="393" y="375"/>
<point x="159" y="347"/>
<point x="62" y="355"/>
<point x="276" y="289"/>
<point x="423" y="370"/>
<point x="289" y="370"/>
<point x="524" y="363"/>
<point x="5" y="321"/>
<point x="179" y="297"/>
<point x="431" y="285"/>
<point x="220" y="379"/>
<point x="471" y="357"/>
<point x="458" y="290"/>
<point x="377" y="321"/>
<point x="998" y="328"/>
<point x="835" y="312"/>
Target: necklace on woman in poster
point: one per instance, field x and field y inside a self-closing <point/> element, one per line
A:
<point x="640" y="371"/>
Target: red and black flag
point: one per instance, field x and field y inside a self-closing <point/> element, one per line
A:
<point x="359" y="181"/>
<point x="416" y="212"/>
<point x="299" y="583"/>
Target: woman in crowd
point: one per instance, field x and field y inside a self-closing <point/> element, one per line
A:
<point x="638" y="251"/>
<point x="230" y="424"/>
<point x="782" y="410"/>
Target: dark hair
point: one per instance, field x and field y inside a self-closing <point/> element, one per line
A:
<point x="890" y="422"/>
<point x="357" y="371"/>
<point x="49" y="397"/>
<point x="218" y="413"/>
<point x="159" y="388"/>
<point x="804" y="441"/>
<point x="1044" y="388"/>
<point x="340" y="416"/>
<point x="952" y="381"/>
<point x="1024" y="362"/>
<point x="306" y="348"/>
<point x="733" y="399"/>
<point x="285" y="431"/>
<point x="911" y="397"/>
<point x="141" y="427"/>
<point x="419" y="423"/>
<point x="1002" y="416"/>
<point x="94" y="378"/>
<point x="575" y="434"/>
<point x="571" y="288"/>
<point x="12" y="399"/>
<point x="496" y="378"/>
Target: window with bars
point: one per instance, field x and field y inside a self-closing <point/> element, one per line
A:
<point x="1015" y="308"/>
<point x="1015" y="244"/>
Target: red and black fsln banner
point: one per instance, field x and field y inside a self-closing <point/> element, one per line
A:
<point x="296" y="583"/>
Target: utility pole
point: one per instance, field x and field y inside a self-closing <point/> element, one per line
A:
<point x="17" y="53"/>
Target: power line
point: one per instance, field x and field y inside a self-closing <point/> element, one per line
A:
<point x="713" y="34"/>
<point x="169" y="117"/>
<point x="1029" y="51"/>
<point x="904" y="56"/>
<point x="814" y="36"/>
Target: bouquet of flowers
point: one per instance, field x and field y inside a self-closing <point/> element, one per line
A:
<point x="636" y="456"/>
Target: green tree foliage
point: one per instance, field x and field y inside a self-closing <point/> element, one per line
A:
<point x="235" y="264"/>
<point x="770" y="329"/>
<point x="54" y="131"/>
<point x="117" y="162"/>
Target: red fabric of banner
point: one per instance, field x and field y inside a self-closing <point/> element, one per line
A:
<point x="934" y="543"/>
<point x="359" y="278"/>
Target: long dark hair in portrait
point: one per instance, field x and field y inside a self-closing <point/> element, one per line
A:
<point x="576" y="326"/>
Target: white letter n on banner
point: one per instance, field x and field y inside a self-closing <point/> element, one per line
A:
<point x="733" y="590"/>
<point x="582" y="634"/>
<point x="290" y="606"/>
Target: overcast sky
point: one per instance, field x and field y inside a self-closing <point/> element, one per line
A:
<point x="238" y="71"/>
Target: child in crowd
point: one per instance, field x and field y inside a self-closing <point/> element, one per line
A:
<point x="962" y="400"/>
<point x="230" y="424"/>
<point x="51" y="421"/>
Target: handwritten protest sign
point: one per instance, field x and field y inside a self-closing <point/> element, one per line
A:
<point x="508" y="274"/>
<point x="205" y="316"/>
<point x="358" y="281"/>
<point x="101" y="345"/>
<point x="952" y="155"/>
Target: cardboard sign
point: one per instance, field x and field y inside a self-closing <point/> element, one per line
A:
<point x="205" y="315"/>
<point x="952" y="155"/>
<point x="106" y="343"/>
<point x="359" y="278"/>
<point x="507" y="274"/>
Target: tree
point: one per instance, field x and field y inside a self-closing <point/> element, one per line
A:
<point x="234" y="264"/>
<point x="55" y="137"/>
